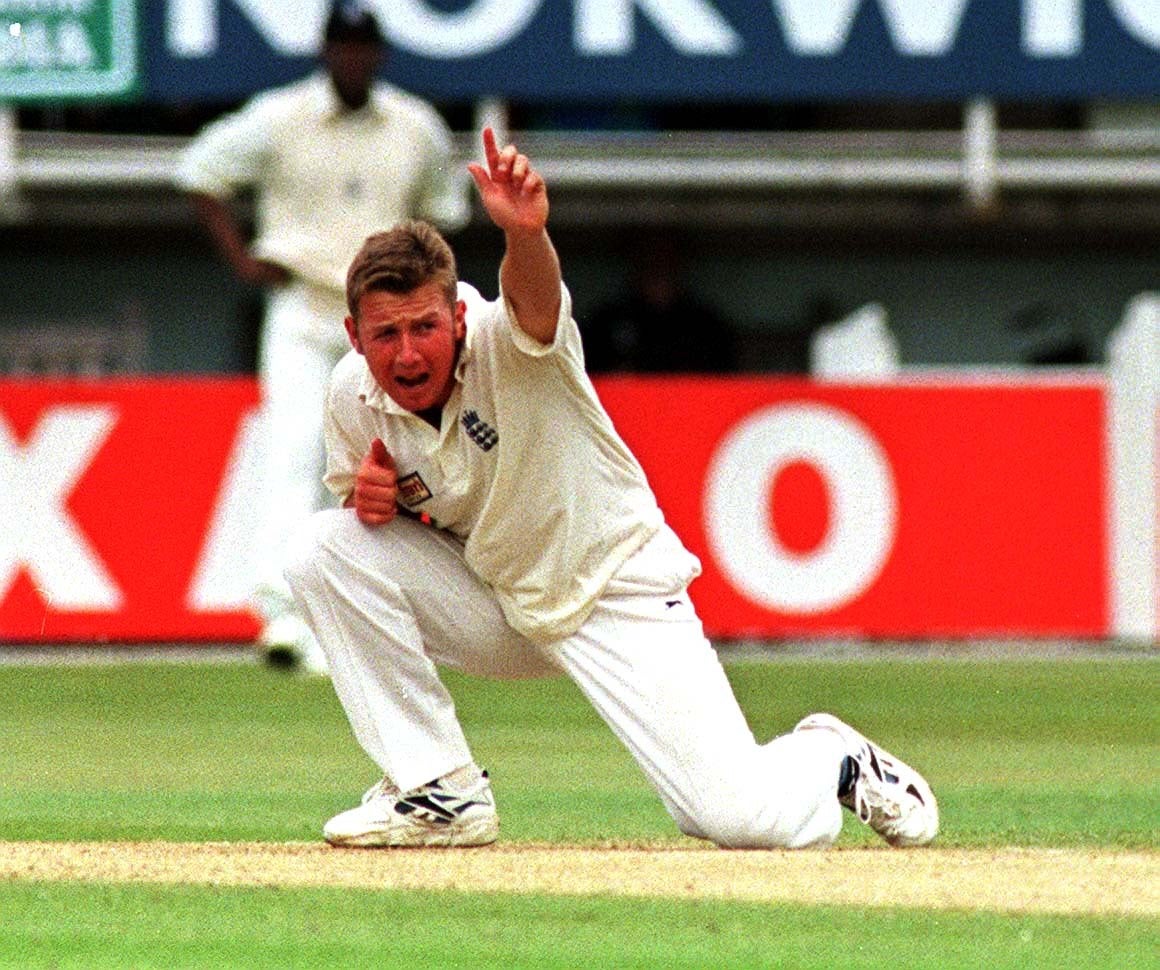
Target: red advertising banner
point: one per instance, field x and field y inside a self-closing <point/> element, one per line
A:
<point x="107" y="492"/>
<point x="910" y="509"/>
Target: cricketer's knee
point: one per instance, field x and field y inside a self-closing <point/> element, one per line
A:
<point x="763" y="827"/>
<point x="781" y="795"/>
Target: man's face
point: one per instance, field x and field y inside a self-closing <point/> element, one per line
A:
<point x="352" y="66"/>
<point x="411" y="343"/>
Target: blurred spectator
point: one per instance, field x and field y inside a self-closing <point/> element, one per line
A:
<point x="330" y="159"/>
<point x="659" y="325"/>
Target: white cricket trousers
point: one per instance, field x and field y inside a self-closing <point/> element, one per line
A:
<point x="389" y="604"/>
<point x="302" y="339"/>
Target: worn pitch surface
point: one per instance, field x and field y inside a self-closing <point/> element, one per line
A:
<point x="999" y="880"/>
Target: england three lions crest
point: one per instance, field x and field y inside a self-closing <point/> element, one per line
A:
<point x="479" y="431"/>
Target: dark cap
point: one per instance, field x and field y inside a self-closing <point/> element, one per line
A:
<point x="351" y="20"/>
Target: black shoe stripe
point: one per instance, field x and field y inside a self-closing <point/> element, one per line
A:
<point x="431" y="803"/>
<point x="880" y="768"/>
<point x="408" y="805"/>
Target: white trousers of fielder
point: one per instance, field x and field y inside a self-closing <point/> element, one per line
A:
<point x="389" y="604"/>
<point x="302" y="339"/>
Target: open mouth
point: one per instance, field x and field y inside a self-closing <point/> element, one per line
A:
<point x="410" y="383"/>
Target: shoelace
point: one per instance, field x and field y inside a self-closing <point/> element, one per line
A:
<point x="387" y="789"/>
<point x="381" y="788"/>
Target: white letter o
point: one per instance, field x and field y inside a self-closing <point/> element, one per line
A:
<point x="863" y="513"/>
<point x="1141" y="18"/>
<point x="483" y="27"/>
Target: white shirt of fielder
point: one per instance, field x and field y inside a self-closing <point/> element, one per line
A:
<point x="325" y="176"/>
<point x="526" y="469"/>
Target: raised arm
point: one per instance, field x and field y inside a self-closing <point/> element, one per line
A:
<point x="516" y="199"/>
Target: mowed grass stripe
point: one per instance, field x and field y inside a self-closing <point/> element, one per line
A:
<point x="84" y="926"/>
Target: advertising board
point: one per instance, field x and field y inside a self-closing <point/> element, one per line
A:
<point x="679" y="50"/>
<point x="53" y="50"/>
<point x="908" y="509"/>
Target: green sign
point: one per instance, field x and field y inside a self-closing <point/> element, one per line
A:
<point x="57" y="49"/>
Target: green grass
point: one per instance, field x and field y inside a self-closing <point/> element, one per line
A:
<point x="140" y="926"/>
<point x="1019" y="752"/>
<point x="1025" y="752"/>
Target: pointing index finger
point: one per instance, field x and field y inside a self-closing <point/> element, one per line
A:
<point x="490" y="151"/>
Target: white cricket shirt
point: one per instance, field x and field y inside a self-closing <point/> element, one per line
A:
<point x="326" y="177"/>
<point x="526" y="468"/>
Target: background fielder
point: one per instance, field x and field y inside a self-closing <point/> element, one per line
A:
<point x="331" y="158"/>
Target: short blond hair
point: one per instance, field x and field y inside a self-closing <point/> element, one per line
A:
<point x="400" y="260"/>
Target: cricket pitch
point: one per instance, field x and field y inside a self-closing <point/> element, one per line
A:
<point x="1074" y="881"/>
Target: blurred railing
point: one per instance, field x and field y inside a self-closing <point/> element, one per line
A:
<point x="710" y="178"/>
<point x="697" y="160"/>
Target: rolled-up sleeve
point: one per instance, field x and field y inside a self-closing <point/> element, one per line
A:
<point x="567" y="332"/>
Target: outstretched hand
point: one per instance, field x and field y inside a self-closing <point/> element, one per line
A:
<point x="512" y="192"/>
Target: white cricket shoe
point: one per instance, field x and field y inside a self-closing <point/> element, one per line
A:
<point x="886" y="794"/>
<point x="435" y="814"/>
<point x="287" y="641"/>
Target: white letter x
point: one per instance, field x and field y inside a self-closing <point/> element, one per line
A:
<point x="35" y="528"/>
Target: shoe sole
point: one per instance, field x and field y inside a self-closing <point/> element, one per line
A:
<point x="482" y="831"/>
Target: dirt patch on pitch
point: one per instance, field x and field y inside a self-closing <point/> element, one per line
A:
<point x="1006" y="880"/>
